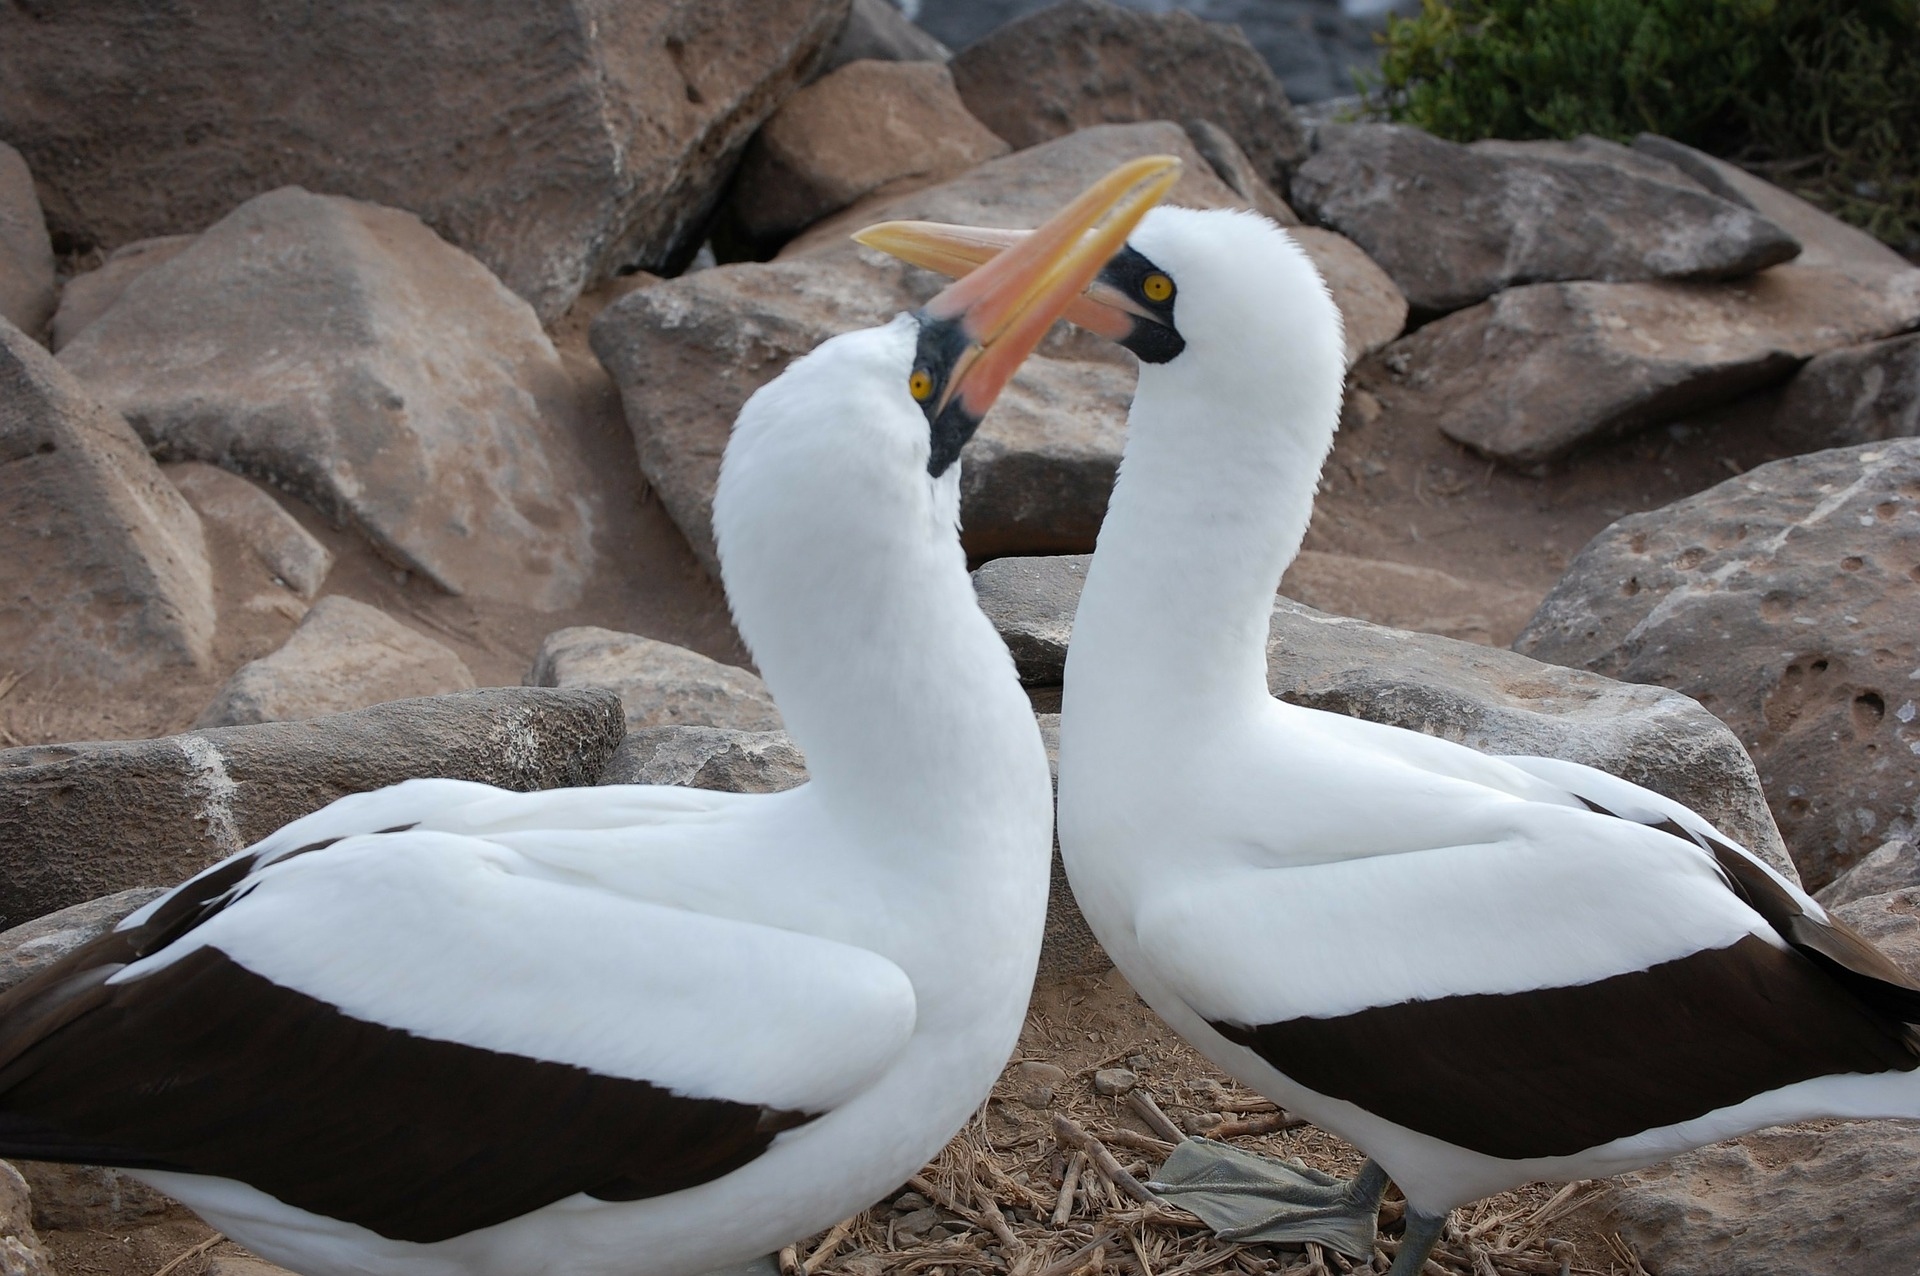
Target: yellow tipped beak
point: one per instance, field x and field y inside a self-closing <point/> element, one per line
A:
<point x="1008" y="299"/>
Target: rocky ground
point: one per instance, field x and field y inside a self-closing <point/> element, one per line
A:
<point x="314" y="404"/>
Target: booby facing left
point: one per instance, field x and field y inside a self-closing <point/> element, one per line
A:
<point x="446" y="1030"/>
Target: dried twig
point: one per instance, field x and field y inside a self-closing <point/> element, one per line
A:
<point x="1071" y="1134"/>
<point x="191" y="1254"/>
<point x="1075" y="1260"/>
<point x="1142" y="1103"/>
<point x="789" y="1260"/>
<point x="1063" y="1206"/>
<point x="1139" y="1142"/>
<point x="1264" y="1123"/>
<point x="828" y="1244"/>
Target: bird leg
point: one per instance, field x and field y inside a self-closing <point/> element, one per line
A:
<point x="1244" y="1197"/>
<point x="1423" y="1233"/>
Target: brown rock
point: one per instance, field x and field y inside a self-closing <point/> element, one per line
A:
<point x="716" y="758"/>
<point x="556" y="141"/>
<point x="345" y="655"/>
<point x="253" y="518"/>
<point x="1085" y="62"/>
<point x="87" y="297"/>
<point x="1372" y="310"/>
<point x="1405" y="597"/>
<point x="1858" y="395"/>
<point x="659" y="684"/>
<point x="867" y="125"/>
<point x="1455" y="224"/>
<point x="80" y="821"/>
<point x="877" y="31"/>
<point x="29" y="948"/>
<point x="27" y="286"/>
<point x="88" y="1197"/>
<point x="1893" y="866"/>
<point x="21" y="1253"/>
<point x="1231" y="165"/>
<point x="354" y="358"/>
<point x="103" y="569"/>
<point x="1784" y="601"/>
<point x="1035" y="1084"/>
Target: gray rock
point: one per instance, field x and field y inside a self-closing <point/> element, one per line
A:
<point x="1112" y="1083"/>
<point x="1784" y="601"/>
<point x="80" y="821"/>
<point x="254" y="519"/>
<point x="1084" y="62"/>
<point x="1497" y="701"/>
<point x="1035" y="1083"/>
<point x="354" y="358"/>
<point x="708" y="758"/>
<point x="21" y="1253"/>
<point x="86" y="297"/>
<point x="1455" y="224"/>
<point x="867" y="125"/>
<point x="343" y="656"/>
<point x="31" y="947"/>
<point x="1894" y="866"/>
<point x="660" y="684"/>
<point x="27" y="285"/>
<point x="557" y="141"/>
<point x="876" y="31"/>
<point x="1231" y="165"/>
<point x="1372" y="310"/>
<point x="102" y="563"/>
<point x="1857" y="395"/>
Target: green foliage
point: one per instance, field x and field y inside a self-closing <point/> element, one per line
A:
<point x="1821" y="95"/>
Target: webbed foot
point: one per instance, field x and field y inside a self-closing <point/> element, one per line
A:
<point x="1245" y="1197"/>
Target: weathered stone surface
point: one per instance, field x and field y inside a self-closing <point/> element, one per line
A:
<point x="1086" y="62"/>
<point x="1784" y="601"/>
<point x="1372" y="309"/>
<point x="87" y="297"/>
<point x="88" y="1197"/>
<point x="708" y="758"/>
<point x="1455" y="224"/>
<point x="31" y="947"/>
<point x="1231" y="165"/>
<point x="103" y="568"/>
<point x="350" y="355"/>
<point x="27" y="286"/>
<point x="1493" y="700"/>
<point x="556" y="141"/>
<point x="21" y="1253"/>
<point x="80" y="821"/>
<point x="867" y="125"/>
<point x="1894" y="866"/>
<point x="660" y="685"/>
<point x="344" y="655"/>
<point x="1540" y="370"/>
<point x="253" y="518"/>
<point x="877" y="31"/>
<point x="1857" y="395"/>
<point x="1406" y="597"/>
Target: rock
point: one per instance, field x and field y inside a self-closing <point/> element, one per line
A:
<point x="257" y="521"/>
<point x="1231" y="165"/>
<point x="30" y="947"/>
<point x="1540" y="370"/>
<point x="1084" y="62"/>
<point x="84" y="820"/>
<point x="27" y="285"/>
<point x="1858" y="395"/>
<point x="1036" y="1083"/>
<point x="1112" y="1083"/>
<point x="1407" y="597"/>
<point x="88" y="1197"/>
<point x="344" y="655"/>
<point x="355" y="359"/>
<point x="103" y="566"/>
<point x="660" y="684"/>
<point x="708" y="758"/>
<point x="1497" y="701"/>
<point x="1372" y="309"/>
<point x="1893" y="866"/>
<point x="867" y="125"/>
<point x="1783" y="600"/>
<point x="1890" y="920"/>
<point x="557" y="142"/>
<point x="87" y="297"/>
<point x="21" y="1253"/>
<point x="1455" y="224"/>
<point x="877" y="31"/>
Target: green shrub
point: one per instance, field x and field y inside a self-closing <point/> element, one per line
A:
<point x="1820" y="95"/>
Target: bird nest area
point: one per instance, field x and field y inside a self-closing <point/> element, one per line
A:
<point x="1049" y="1178"/>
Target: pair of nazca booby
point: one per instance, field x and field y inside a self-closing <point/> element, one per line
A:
<point x="443" y="1028"/>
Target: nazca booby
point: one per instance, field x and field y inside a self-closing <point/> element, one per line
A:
<point x="443" y="1029"/>
<point x="1482" y="971"/>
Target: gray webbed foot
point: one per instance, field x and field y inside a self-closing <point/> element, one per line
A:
<point x="1244" y="1197"/>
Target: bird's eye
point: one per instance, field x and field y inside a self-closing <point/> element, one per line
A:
<point x="1156" y="287"/>
<point x="920" y="385"/>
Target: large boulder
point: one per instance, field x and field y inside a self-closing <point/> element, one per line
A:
<point x="103" y="567"/>
<point x="81" y="821"/>
<point x="30" y="947"/>
<point x="1783" y="600"/>
<point x="719" y="758"/>
<point x="27" y="285"/>
<point x="1857" y="395"/>
<point x="659" y="684"/>
<point x="88" y="296"/>
<point x="877" y="31"/>
<point x="21" y="1253"/>
<point x="867" y="125"/>
<point x="557" y="141"/>
<point x="1892" y="866"/>
<point x="1492" y="700"/>
<point x="345" y="655"/>
<point x="1455" y="224"/>
<point x="349" y="355"/>
<point x="254" y="519"/>
<point x="1085" y="62"/>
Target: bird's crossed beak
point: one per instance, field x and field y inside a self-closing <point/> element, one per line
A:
<point x="1008" y="299"/>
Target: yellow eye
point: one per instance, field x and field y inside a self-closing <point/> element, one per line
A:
<point x="920" y="385"/>
<point x="1156" y="287"/>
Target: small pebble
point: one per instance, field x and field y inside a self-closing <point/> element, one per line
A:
<point x="918" y="1225"/>
<point x="1034" y="1083"/>
<point x="1111" y="1083"/>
